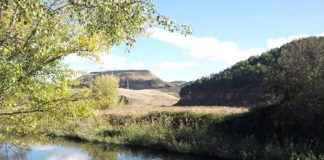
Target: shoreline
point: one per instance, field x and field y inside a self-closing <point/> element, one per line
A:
<point x="252" y="134"/>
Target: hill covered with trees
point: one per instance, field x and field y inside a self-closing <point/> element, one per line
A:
<point x="271" y="77"/>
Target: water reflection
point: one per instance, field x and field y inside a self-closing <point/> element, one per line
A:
<point x="42" y="152"/>
<point x="12" y="152"/>
<point x="72" y="151"/>
<point x="49" y="152"/>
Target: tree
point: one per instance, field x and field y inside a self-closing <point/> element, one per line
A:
<point x="36" y="34"/>
<point x="292" y="74"/>
<point x="298" y="76"/>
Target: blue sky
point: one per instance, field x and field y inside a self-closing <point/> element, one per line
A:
<point x="224" y="32"/>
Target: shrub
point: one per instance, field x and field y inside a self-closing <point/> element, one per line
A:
<point x="104" y="90"/>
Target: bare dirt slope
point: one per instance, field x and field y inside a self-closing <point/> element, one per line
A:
<point x="147" y="97"/>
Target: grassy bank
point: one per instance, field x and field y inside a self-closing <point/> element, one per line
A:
<point x="266" y="133"/>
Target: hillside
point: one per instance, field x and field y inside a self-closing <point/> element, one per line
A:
<point x="147" y="97"/>
<point x="243" y="84"/>
<point x="178" y="83"/>
<point x="131" y="79"/>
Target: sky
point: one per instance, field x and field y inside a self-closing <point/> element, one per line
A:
<point x="224" y="32"/>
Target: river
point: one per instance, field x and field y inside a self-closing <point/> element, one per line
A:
<point x="62" y="150"/>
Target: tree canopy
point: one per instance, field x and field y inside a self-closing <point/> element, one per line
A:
<point x="291" y="73"/>
<point x="36" y="34"/>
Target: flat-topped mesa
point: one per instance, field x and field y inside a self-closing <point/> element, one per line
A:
<point x="131" y="79"/>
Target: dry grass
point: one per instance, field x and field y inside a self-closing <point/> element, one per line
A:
<point x="140" y="111"/>
<point x="148" y="97"/>
<point x="142" y="102"/>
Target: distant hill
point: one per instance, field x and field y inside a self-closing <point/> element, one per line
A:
<point x="178" y="83"/>
<point x="243" y="83"/>
<point x="131" y="79"/>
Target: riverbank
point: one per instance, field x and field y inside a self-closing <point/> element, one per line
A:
<point x="265" y="133"/>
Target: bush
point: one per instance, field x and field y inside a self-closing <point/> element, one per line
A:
<point x="104" y="90"/>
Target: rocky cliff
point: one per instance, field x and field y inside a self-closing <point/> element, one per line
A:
<point x="131" y="79"/>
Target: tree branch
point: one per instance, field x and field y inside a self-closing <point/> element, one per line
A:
<point x="21" y="112"/>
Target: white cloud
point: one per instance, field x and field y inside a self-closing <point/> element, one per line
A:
<point x="175" y="65"/>
<point x="114" y="62"/>
<point x="203" y="48"/>
<point x="279" y="41"/>
<point x="211" y="48"/>
<point x="171" y="66"/>
<point x="196" y="49"/>
<point x="106" y="62"/>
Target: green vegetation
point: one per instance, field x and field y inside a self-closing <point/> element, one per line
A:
<point x="36" y="34"/>
<point x="298" y="76"/>
<point x="104" y="90"/>
<point x="264" y="133"/>
<point x="37" y="94"/>
<point x="295" y="68"/>
<point x="81" y="102"/>
<point x="290" y="123"/>
<point x="289" y="127"/>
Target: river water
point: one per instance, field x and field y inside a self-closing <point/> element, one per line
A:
<point x="81" y="151"/>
